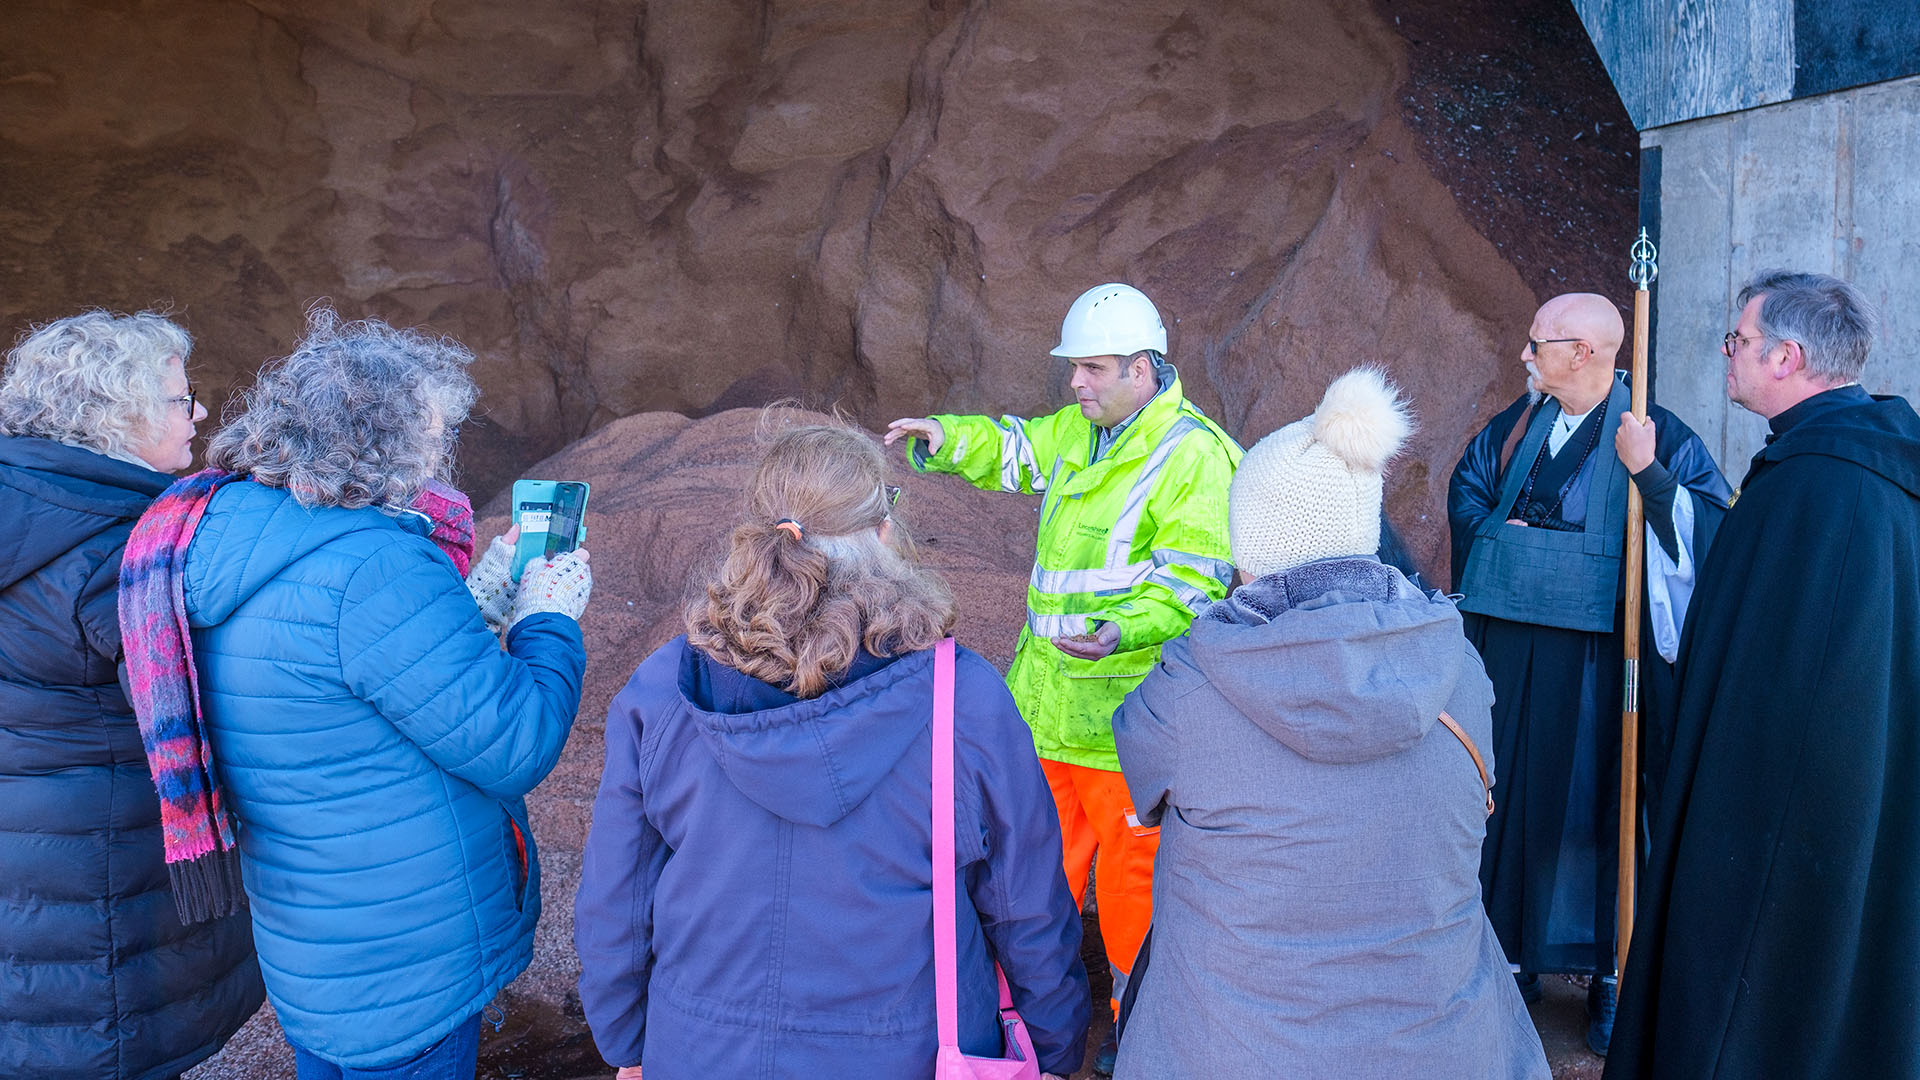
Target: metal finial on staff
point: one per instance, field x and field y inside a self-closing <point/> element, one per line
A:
<point x="1641" y="271"/>
<point x="1646" y="262"/>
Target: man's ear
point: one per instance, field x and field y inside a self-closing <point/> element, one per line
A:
<point x="1792" y="358"/>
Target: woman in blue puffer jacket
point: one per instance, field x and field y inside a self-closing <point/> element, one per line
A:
<point x="757" y="893"/>
<point x="372" y="738"/>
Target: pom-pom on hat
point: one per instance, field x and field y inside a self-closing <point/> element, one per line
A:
<point x="1312" y="489"/>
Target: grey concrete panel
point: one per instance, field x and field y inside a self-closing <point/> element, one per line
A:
<point x="1696" y="197"/>
<point x="1785" y="179"/>
<point x="1678" y="60"/>
<point x="1828" y="184"/>
<point x="1882" y="247"/>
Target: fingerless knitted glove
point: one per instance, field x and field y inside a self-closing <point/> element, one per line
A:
<point x="492" y="585"/>
<point x="560" y="586"/>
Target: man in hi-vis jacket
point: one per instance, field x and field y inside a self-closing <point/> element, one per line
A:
<point x="1133" y="540"/>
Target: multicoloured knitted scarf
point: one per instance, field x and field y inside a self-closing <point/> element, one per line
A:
<point x="202" y="857"/>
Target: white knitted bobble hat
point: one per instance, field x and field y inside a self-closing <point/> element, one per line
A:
<point x="1312" y="489"/>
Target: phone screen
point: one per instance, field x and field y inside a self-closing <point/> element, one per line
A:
<point x="551" y="516"/>
<point x="563" y="533"/>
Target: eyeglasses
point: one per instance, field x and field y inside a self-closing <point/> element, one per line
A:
<point x="191" y="399"/>
<point x="1733" y="341"/>
<point x="1534" y="346"/>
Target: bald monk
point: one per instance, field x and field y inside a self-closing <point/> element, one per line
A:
<point x="1538" y="509"/>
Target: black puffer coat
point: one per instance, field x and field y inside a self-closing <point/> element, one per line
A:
<point x="98" y="978"/>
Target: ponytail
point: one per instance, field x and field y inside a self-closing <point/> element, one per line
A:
<point x="792" y="604"/>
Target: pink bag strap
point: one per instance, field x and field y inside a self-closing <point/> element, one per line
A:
<point x="946" y="996"/>
<point x="943" y="928"/>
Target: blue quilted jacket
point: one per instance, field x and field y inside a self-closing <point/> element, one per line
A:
<point x="374" y="742"/>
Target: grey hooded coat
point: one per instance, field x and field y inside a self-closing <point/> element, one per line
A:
<point x="1317" y="895"/>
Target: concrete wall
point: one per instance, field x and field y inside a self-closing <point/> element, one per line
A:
<point x="1828" y="184"/>
<point x="1679" y="60"/>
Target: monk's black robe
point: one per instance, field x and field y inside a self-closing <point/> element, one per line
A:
<point x="1778" y="932"/>
<point x="1549" y="866"/>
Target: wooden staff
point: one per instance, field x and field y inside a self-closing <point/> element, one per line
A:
<point x="1644" y="269"/>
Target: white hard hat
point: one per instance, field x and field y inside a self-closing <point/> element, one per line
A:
<point x="1111" y="320"/>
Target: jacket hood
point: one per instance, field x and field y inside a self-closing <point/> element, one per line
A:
<point x="1883" y="437"/>
<point x="54" y="496"/>
<point x="1342" y="660"/>
<point x="251" y="533"/>
<point x="809" y="761"/>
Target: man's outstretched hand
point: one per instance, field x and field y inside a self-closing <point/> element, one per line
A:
<point x="917" y="427"/>
<point x="1091" y="646"/>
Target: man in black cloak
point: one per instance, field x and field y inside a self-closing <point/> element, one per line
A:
<point x="1538" y="508"/>
<point x="1778" y="932"/>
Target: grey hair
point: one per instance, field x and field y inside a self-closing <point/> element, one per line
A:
<point x="346" y="419"/>
<point x="1830" y="318"/>
<point x="94" y="380"/>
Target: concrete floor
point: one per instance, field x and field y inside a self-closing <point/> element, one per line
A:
<point x="1561" y="1018"/>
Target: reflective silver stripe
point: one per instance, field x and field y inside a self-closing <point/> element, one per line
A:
<point x="1218" y="569"/>
<point x="1120" y="540"/>
<point x="1017" y="450"/>
<point x="1184" y="590"/>
<point x="1050" y="626"/>
<point x="1125" y="578"/>
<point x="1057" y="500"/>
<point x="1104" y="579"/>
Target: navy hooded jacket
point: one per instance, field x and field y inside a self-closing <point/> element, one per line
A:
<point x="98" y="978"/>
<point x="756" y="899"/>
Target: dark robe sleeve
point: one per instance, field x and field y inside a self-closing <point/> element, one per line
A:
<point x="1687" y="464"/>
<point x="1681" y="463"/>
<point x="1658" y="489"/>
<point x="1475" y="485"/>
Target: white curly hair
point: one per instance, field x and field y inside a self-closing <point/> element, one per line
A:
<point x="94" y="380"/>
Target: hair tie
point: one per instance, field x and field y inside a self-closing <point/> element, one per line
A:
<point x="788" y="525"/>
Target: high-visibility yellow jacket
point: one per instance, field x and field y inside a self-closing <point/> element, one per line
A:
<point x="1138" y="538"/>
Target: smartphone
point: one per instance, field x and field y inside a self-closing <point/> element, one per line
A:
<point x="552" y="515"/>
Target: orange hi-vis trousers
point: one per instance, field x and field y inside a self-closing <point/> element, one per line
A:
<point x="1096" y="816"/>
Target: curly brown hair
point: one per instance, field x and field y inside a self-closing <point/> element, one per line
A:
<point x="795" y="611"/>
